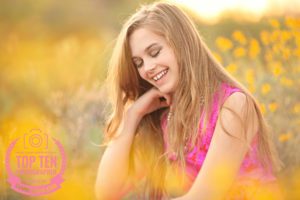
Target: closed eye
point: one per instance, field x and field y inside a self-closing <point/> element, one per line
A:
<point x="155" y="53"/>
<point x="138" y="63"/>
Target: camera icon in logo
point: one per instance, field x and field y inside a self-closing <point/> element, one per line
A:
<point x="35" y="139"/>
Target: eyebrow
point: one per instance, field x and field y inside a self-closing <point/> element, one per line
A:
<point x="147" y="48"/>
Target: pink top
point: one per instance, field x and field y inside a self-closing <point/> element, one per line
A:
<point x="250" y="168"/>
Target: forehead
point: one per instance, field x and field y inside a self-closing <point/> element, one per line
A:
<point x="141" y="38"/>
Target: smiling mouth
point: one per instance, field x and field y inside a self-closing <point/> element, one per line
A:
<point x="160" y="75"/>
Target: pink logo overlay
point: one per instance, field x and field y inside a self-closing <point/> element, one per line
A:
<point x="35" y="164"/>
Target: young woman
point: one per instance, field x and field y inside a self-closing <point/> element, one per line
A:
<point x="181" y="127"/>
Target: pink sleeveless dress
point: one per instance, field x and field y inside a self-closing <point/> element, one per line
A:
<point x="251" y="173"/>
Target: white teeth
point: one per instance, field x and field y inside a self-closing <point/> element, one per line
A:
<point x="160" y="75"/>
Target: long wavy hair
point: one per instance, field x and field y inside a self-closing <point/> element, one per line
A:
<point x="199" y="71"/>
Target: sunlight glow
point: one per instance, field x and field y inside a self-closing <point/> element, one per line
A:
<point x="212" y="9"/>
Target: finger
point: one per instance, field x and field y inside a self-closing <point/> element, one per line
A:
<point x="163" y="104"/>
<point x="168" y="98"/>
<point x="164" y="95"/>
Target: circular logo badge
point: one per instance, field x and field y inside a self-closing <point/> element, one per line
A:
<point x="35" y="163"/>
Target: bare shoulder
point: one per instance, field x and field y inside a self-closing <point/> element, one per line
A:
<point x="238" y="113"/>
<point x="236" y="101"/>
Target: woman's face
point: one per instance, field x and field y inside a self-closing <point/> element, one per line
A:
<point x="154" y="59"/>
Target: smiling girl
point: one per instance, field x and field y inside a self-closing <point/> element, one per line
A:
<point x="181" y="127"/>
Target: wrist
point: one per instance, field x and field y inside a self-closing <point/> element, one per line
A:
<point x="133" y="113"/>
<point x="132" y="116"/>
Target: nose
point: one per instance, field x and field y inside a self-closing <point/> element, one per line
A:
<point x="150" y="68"/>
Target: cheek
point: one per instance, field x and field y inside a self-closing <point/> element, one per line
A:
<point x="170" y="59"/>
<point x="142" y="74"/>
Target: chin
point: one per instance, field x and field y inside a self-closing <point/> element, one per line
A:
<point x="169" y="88"/>
<point x="166" y="90"/>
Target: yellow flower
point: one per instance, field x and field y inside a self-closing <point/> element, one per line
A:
<point x="250" y="76"/>
<point x="285" y="35"/>
<point x="265" y="89"/>
<point x="265" y="37"/>
<point x="296" y="52"/>
<point x="239" y="52"/>
<point x="296" y="108"/>
<point x="273" y="106"/>
<point x="289" y="22"/>
<point x="286" y="53"/>
<point x="254" y="48"/>
<point x="292" y="22"/>
<point x="276" y="68"/>
<point x="296" y="35"/>
<point x="285" y="137"/>
<point x="231" y="68"/>
<point x="276" y="48"/>
<point x="269" y="56"/>
<point x="286" y="82"/>
<point x="252" y="88"/>
<point x="274" y="23"/>
<point x="239" y="36"/>
<point x="218" y="57"/>
<point x="275" y="35"/>
<point x="223" y="43"/>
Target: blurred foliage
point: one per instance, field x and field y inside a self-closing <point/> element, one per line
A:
<point x="53" y="61"/>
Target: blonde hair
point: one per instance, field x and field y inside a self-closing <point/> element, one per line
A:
<point x="198" y="70"/>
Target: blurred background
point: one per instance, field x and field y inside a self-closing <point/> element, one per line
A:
<point x="54" y="56"/>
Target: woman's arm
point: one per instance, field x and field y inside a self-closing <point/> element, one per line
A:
<point x="225" y="153"/>
<point x="112" y="178"/>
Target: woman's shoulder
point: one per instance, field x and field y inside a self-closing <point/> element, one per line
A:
<point x="239" y="109"/>
<point x="230" y="96"/>
<point x="228" y="89"/>
<point x="236" y="100"/>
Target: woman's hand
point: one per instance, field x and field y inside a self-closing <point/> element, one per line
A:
<point x="152" y="100"/>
